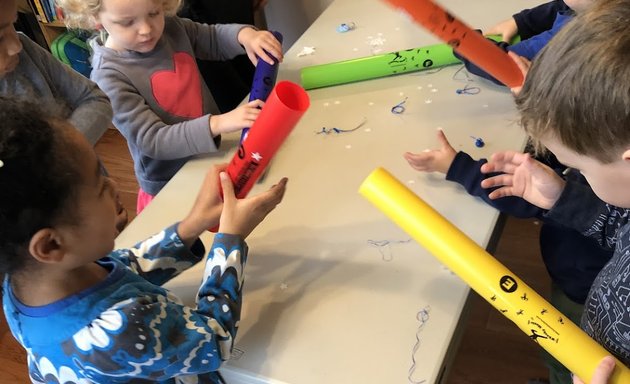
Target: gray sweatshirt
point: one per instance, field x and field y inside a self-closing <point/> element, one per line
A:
<point x="41" y="78"/>
<point x="161" y="104"/>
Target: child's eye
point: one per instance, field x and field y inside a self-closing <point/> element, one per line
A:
<point x="153" y="14"/>
<point x="107" y="185"/>
<point x="125" y="23"/>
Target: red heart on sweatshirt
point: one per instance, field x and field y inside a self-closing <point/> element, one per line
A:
<point x="179" y="91"/>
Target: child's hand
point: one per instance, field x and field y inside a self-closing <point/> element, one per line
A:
<point x="436" y="160"/>
<point x="241" y="216"/>
<point x="602" y="373"/>
<point x="238" y="118"/>
<point x="523" y="64"/>
<point x="257" y="42"/>
<point x="206" y="210"/>
<point x="507" y="29"/>
<point x="522" y="177"/>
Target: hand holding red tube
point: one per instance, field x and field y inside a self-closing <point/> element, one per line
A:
<point x="282" y="111"/>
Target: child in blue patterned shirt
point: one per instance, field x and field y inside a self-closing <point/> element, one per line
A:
<point x="86" y="313"/>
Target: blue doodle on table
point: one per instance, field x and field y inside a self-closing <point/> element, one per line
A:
<point x="384" y="247"/>
<point x="423" y="317"/>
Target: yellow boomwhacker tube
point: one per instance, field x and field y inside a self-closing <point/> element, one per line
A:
<point x="489" y="278"/>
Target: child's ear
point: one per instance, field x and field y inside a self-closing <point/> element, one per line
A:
<point x="96" y="22"/>
<point x="46" y="246"/>
<point x="626" y="155"/>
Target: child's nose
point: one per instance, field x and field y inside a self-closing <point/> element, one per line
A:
<point x="145" y="28"/>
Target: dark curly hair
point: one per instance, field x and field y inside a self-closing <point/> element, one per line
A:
<point x="38" y="178"/>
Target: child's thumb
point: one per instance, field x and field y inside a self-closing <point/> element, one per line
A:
<point x="604" y="370"/>
<point x="442" y="138"/>
<point x="227" y="187"/>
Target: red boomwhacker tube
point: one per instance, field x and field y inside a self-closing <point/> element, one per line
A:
<point x="463" y="39"/>
<point x="282" y="111"/>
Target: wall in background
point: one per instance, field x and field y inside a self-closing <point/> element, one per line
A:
<point x="293" y="17"/>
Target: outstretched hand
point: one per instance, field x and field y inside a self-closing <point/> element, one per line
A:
<point x="206" y="210"/>
<point x="524" y="177"/>
<point x="507" y="29"/>
<point x="433" y="160"/>
<point x="241" y="216"/>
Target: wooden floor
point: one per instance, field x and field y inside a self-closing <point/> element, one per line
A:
<point x="492" y="349"/>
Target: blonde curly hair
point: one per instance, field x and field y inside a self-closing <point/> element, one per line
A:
<point x="82" y="14"/>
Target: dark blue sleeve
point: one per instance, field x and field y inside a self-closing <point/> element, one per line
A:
<point x="467" y="172"/>
<point x="474" y="69"/>
<point x="529" y="48"/>
<point x="580" y="209"/>
<point x="531" y="22"/>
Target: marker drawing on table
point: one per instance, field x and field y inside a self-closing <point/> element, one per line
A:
<point x="468" y="90"/>
<point x="384" y="247"/>
<point x="327" y="131"/>
<point x="399" y="108"/>
<point x="423" y="317"/>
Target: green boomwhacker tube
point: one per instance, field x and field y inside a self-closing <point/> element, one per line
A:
<point x="373" y="67"/>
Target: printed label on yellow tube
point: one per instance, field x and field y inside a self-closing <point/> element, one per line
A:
<point x="543" y="323"/>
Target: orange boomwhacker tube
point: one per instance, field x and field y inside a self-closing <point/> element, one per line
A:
<point x="463" y="39"/>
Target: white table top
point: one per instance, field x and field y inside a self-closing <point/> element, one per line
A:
<point x="321" y="304"/>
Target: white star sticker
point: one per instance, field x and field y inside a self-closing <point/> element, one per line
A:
<point x="256" y="156"/>
<point x="306" y="51"/>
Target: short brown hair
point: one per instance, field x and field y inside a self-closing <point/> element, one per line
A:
<point x="578" y="88"/>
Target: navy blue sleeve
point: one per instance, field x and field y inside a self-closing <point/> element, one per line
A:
<point x="474" y="69"/>
<point x="467" y="172"/>
<point x="580" y="209"/>
<point x="529" y="48"/>
<point x="531" y="22"/>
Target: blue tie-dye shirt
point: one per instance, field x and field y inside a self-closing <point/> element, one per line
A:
<point x="127" y="328"/>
